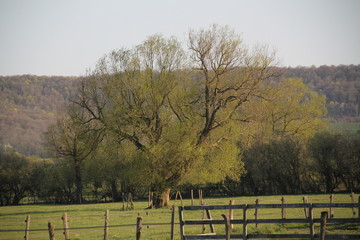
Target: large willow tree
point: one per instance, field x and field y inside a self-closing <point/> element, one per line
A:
<point x="173" y="113"/>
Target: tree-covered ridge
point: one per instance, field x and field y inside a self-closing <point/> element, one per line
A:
<point x="340" y="85"/>
<point x="28" y="104"/>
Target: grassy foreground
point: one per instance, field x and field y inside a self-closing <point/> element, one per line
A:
<point x="156" y="222"/>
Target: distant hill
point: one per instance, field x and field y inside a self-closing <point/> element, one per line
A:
<point x="340" y="85"/>
<point x="28" y="104"/>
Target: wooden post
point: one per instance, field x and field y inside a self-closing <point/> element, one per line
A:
<point x="152" y="200"/>
<point x="181" y="219"/>
<point x="178" y="193"/>
<point x="149" y="199"/>
<point x="256" y="212"/>
<point x="172" y="223"/>
<point x="311" y="225"/>
<point x="352" y="195"/>
<point x="359" y="208"/>
<point x="324" y="216"/>
<point x="176" y="196"/>
<point x="200" y="197"/>
<point x="138" y="227"/>
<point x="106" y="227"/>
<point x="306" y="210"/>
<point x="231" y="213"/>
<point x="66" y="226"/>
<point x="283" y="210"/>
<point x="245" y="223"/>
<point x="331" y="202"/>
<point x="27" y="228"/>
<point x="192" y="197"/>
<point x="123" y="200"/>
<point x="51" y="228"/>
<point x="212" y="227"/>
<point x="203" y="217"/>
<point x="227" y="226"/>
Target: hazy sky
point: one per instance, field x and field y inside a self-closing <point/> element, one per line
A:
<point x="67" y="37"/>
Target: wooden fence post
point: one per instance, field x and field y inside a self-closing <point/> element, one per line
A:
<point x="149" y="199"/>
<point x="306" y="210"/>
<point x="200" y="197"/>
<point x="66" y="226"/>
<point x="245" y="222"/>
<point x="203" y="217"/>
<point x="352" y="195"/>
<point x="212" y="227"/>
<point x="231" y="213"/>
<point x="51" y="228"/>
<point x="227" y="226"/>
<point x="324" y="216"/>
<point x="181" y="219"/>
<point x="283" y="210"/>
<point x="331" y="202"/>
<point x="178" y="193"/>
<point x="138" y="227"/>
<point x="192" y="197"/>
<point x="27" y="228"/>
<point x="106" y="227"/>
<point x="256" y="212"/>
<point x="172" y="223"/>
<point x="359" y="208"/>
<point x="311" y="225"/>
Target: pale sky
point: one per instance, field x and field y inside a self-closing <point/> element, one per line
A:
<point x="67" y="37"/>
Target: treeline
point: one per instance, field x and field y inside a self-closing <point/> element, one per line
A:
<point x="329" y="162"/>
<point x="28" y="104"/>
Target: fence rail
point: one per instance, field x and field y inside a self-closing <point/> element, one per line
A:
<point x="242" y="222"/>
<point x="245" y="221"/>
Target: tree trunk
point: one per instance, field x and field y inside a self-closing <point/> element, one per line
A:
<point x="114" y="192"/>
<point x="78" y="181"/>
<point x="162" y="198"/>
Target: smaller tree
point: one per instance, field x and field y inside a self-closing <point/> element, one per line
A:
<point x="68" y="138"/>
<point x="275" y="167"/>
<point x="15" y="171"/>
<point x="324" y="150"/>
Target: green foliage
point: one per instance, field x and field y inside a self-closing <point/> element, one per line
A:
<point x="288" y="109"/>
<point x="14" y="177"/>
<point x="169" y="127"/>
<point x="275" y="167"/>
<point x="336" y="159"/>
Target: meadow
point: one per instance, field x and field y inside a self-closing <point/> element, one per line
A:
<point x="86" y="221"/>
<point x="346" y="127"/>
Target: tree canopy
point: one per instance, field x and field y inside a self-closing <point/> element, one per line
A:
<point x="176" y="111"/>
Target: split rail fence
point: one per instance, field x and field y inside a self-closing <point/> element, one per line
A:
<point x="245" y="221"/>
<point x="227" y="221"/>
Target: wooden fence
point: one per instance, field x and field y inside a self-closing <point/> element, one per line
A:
<point x="227" y="221"/>
<point x="245" y="221"/>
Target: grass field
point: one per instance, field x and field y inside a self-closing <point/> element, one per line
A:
<point x="156" y="221"/>
<point x="346" y="127"/>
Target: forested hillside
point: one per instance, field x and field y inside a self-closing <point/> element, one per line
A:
<point x="29" y="103"/>
<point x="340" y="85"/>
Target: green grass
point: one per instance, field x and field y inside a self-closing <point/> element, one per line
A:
<point x="346" y="127"/>
<point x="92" y="215"/>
